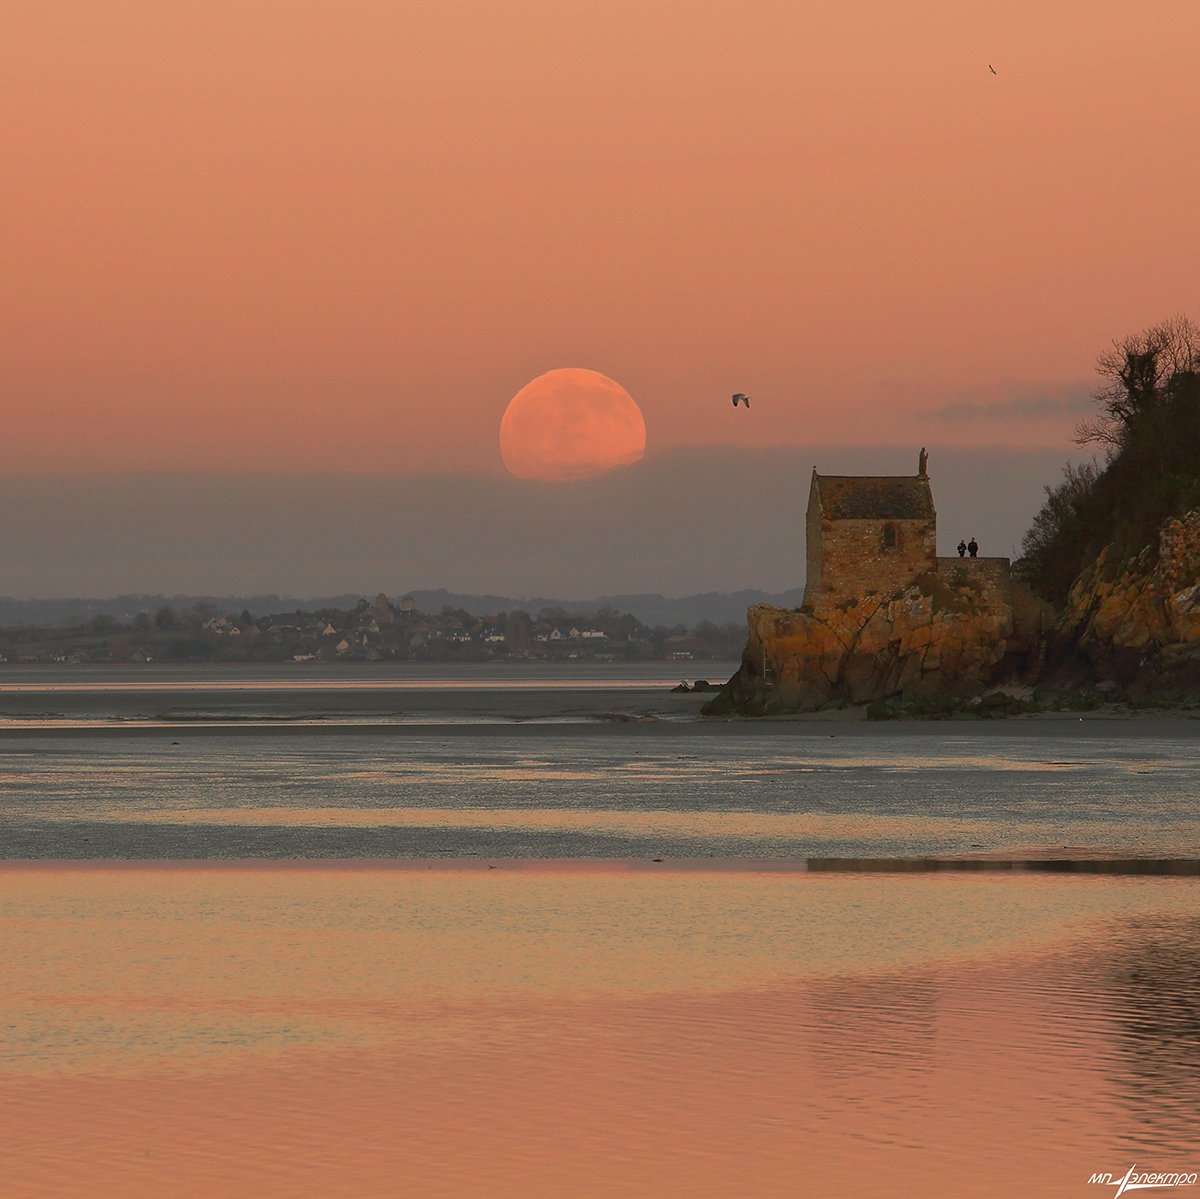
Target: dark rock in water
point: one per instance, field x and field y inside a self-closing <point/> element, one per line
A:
<point x="702" y="685"/>
<point x="682" y="687"/>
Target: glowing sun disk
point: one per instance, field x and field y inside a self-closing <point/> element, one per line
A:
<point x="571" y="424"/>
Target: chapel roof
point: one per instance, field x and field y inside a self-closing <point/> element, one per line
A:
<point x="874" y="497"/>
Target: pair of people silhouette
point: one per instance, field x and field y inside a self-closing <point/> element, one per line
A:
<point x="968" y="547"/>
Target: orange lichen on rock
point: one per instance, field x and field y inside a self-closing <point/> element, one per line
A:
<point x="922" y="639"/>
<point x="1136" y="624"/>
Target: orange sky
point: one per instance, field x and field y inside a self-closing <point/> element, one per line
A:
<point x="340" y="234"/>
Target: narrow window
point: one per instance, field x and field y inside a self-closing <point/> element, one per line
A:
<point x="889" y="537"/>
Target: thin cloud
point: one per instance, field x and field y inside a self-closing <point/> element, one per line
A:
<point x="1018" y="400"/>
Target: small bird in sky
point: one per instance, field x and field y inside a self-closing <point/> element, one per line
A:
<point x="991" y="68"/>
<point x="740" y="397"/>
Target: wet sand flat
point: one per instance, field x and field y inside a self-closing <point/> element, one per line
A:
<point x="388" y="695"/>
<point x="684" y="789"/>
<point x="385" y="706"/>
<point x="391" y="701"/>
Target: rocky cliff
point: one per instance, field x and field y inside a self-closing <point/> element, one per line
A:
<point x="956" y="632"/>
<point x="1130" y="628"/>
<point x="1134" y="626"/>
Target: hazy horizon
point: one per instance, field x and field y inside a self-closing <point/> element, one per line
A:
<point x="676" y="524"/>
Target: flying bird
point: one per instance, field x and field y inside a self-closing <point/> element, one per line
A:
<point x="740" y="397"/>
<point x="991" y="68"/>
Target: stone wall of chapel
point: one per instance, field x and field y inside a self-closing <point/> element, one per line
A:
<point x="814" y="558"/>
<point x="854" y="557"/>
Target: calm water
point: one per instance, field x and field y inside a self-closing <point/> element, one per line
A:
<point x="547" y="1031"/>
<point x="480" y="980"/>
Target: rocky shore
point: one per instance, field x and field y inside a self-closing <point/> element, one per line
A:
<point x="1133" y="627"/>
<point x="1130" y="630"/>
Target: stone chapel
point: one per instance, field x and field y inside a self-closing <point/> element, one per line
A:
<point x="868" y="533"/>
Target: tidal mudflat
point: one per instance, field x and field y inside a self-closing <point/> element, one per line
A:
<point x="603" y="789"/>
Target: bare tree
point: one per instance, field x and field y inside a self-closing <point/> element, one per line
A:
<point x="1138" y="372"/>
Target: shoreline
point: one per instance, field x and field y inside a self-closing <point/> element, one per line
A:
<point x="1091" y="864"/>
<point x="470" y="703"/>
<point x="607" y="722"/>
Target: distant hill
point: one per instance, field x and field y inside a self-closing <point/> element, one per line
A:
<point x="70" y="612"/>
<point x="720" y="607"/>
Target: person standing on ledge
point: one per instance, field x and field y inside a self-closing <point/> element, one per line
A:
<point x="973" y="547"/>
<point x="962" y="548"/>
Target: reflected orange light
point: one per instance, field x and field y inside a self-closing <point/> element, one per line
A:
<point x="327" y="1030"/>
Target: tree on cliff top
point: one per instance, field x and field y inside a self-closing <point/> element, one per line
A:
<point x="1144" y="376"/>
<point x="1047" y="562"/>
<point x="1149" y="425"/>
